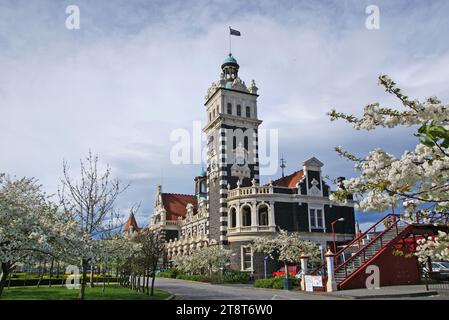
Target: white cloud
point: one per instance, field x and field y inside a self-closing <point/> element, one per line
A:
<point x="136" y="71"/>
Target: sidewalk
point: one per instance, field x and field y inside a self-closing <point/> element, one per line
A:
<point x="384" y="292"/>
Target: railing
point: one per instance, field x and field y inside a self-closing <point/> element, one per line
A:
<point x="339" y="257"/>
<point x="362" y="252"/>
<point x="173" y="222"/>
<point x="249" y="191"/>
<point x="235" y="230"/>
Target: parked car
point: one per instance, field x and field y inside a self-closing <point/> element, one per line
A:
<point x="440" y="270"/>
<point x="294" y="271"/>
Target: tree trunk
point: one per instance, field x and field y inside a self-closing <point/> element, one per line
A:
<point x="41" y="273"/>
<point x="57" y="270"/>
<point x="152" y="283"/>
<point x="104" y="279"/>
<point x="91" y="276"/>
<point x="9" y="279"/>
<point x="82" y="292"/>
<point x="148" y="283"/>
<point x="286" y="270"/>
<point x="6" y="269"/>
<point x="51" y="271"/>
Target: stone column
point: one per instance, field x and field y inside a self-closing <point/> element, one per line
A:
<point x="254" y="215"/>
<point x="238" y="216"/>
<point x="271" y="221"/>
<point x="331" y="283"/>
<point x="304" y="271"/>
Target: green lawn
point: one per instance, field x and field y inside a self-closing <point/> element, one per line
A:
<point x="112" y="292"/>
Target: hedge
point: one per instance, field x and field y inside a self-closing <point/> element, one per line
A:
<point x="45" y="282"/>
<point x="229" y="276"/>
<point x="275" y="283"/>
<point x="234" y="276"/>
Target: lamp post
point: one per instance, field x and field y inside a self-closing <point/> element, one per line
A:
<point x="265" y="266"/>
<point x="333" y="232"/>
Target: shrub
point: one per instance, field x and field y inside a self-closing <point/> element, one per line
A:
<point x="275" y="283"/>
<point x="264" y="283"/>
<point x="235" y="276"/>
<point x="169" y="273"/>
<point x="44" y="282"/>
<point x="192" y="277"/>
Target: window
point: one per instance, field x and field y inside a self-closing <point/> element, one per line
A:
<point x="214" y="113"/>
<point x="263" y="215"/>
<point x="248" y="112"/>
<point x="316" y="218"/>
<point x="229" y="108"/>
<point x="245" y="143"/>
<point x="210" y="116"/>
<point x="239" y="110"/>
<point x="246" y="216"/>
<point x="247" y="259"/>
<point x="203" y="188"/>
<point x="232" y="218"/>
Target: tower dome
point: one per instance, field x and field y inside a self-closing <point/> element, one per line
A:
<point x="230" y="68"/>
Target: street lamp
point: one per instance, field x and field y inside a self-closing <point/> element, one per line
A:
<point x="265" y="258"/>
<point x="333" y="232"/>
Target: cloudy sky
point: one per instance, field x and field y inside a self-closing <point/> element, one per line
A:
<point x="137" y="70"/>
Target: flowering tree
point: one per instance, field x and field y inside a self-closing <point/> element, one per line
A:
<point x="285" y="247"/>
<point x="419" y="179"/>
<point x="90" y="202"/>
<point x="152" y="245"/>
<point x="30" y="226"/>
<point x="205" y="260"/>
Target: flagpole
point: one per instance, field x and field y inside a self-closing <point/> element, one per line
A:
<point x="229" y="39"/>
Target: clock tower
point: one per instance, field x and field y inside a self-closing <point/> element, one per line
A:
<point x="232" y="142"/>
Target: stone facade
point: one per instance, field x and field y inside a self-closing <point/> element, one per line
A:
<point x="230" y="208"/>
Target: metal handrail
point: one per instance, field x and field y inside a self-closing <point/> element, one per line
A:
<point x="373" y="227"/>
<point x="394" y="225"/>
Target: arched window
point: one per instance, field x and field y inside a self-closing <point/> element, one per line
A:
<point x="203" y="188"/>
<point x="210" y="116"/>
<point x="248" y="112"/>
<point x="246" y="216"/>
<point x="232" y="218"/>
<point x="263" y="215"/>
<point x="229" y="108"/>
<point x="245" y="142"/>
<point x="239" y="110"/>
<point x="234" y="142"/>
<point x="214" y="112"/>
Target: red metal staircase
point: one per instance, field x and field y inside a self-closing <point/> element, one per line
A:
<point x="365" y="249"/>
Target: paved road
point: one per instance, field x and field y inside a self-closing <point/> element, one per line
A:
<point x="190" y="290"/>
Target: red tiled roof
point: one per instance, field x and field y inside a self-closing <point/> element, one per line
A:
<point x="289" y="181"/>
<point x="175" y="204"/>
<point x="131" y="223"/>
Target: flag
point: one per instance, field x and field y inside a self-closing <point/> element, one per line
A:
<point x="234" y="32"/>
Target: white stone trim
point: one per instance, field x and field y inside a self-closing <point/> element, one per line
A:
<point x="242" y="265"/>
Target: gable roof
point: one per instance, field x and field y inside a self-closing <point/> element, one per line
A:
<point x="289" y="181"/>
<point x="131" y="223"/>
<point x="175" y="204"/>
